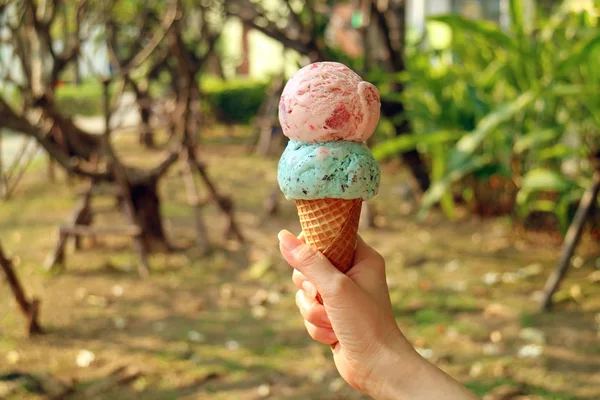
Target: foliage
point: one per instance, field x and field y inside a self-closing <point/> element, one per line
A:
<point x="519" y="104"/>
<point x="84" y="99"/>
<point x="234" y="100"/>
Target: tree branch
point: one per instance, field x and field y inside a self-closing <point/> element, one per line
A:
<point x="62" y="60"/>
<point x="18" y="123"/>
<point x="140" y="57"/>
<point x="296" y="18"/>
<point x="247" y="12"/>
<point x="28" y="308"/>
<point x="394" y="39"/>
<point x="164" y="166"/>
<point x="42" y="26"/>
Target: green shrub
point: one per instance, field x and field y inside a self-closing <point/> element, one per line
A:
<point x="500" y="111"/>
<point x="11" y="95"/>
<point x="235" y="101"/>
<point x="84" y="99"/>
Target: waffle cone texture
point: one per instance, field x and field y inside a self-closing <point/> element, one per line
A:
<point x="331" y="225"/>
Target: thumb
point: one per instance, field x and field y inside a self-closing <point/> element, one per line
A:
<point x="328" y="280"/>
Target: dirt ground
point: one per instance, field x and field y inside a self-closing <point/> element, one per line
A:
<point x="225" y="326"/>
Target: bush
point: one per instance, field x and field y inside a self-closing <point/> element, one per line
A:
<point x="84" y="99"/>
<point x="234" y="101"/>
<point x="504" y="113"/>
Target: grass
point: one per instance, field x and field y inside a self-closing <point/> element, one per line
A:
<point x="482" y="387"/>
<point x="191" y="330"/>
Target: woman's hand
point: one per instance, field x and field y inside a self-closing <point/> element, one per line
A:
<point x="356" y="318"/>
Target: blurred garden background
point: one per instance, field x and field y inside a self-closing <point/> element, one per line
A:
<point x="139" y="205"/>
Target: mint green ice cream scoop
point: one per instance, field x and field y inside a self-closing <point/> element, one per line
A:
<point x="337" y="170"/>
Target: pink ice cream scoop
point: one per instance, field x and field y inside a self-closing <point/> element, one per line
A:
<point x="327" y="101"/>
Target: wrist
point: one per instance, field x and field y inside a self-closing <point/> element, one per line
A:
<point x="411" y="377"/>
<point x="400" y="366"/>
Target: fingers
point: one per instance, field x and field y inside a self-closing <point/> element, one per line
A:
<point x="298" y="278"/>
<point x="311" y="310"/>
<point x="365" y="252"/>
<point x="314" y="266"/>
<point x="322" y="335"/>
<point x="369" y="270"/>
<point x="302" y="283"/>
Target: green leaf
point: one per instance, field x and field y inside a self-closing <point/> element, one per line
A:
<point x="438" y="170"/>
<point x="439" y="188"/>
<point x="492" y="169"/>
<point x="566" y="90"/>
<point x="490" y="74"/>
<point x="558" y="151"/>
<point x="535" y="139"/>
<point x="542" y="179"/>
<point x="405" y="143"/>
<point x="487" y="30"/>
<point x="469" y="143"/>
<point x="543" y="205"/>
<point x="581" y="51"/>
<point x="517" y="17"/>
<point x="562" y="209"/>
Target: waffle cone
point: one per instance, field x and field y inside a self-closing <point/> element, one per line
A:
<point x="331" y="226"/>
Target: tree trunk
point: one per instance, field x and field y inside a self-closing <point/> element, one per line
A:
<point x="3" y="188"/>
<point x="51" y="170"/>
<point x="244" y="67"/>
<point x="412" y="159"/>
<point x="571" y="240"/>
<point x="146" y="204"/>
<point x="392" y="23"/>
<point x="29" y="308"/>
<point x="146" y="136"/>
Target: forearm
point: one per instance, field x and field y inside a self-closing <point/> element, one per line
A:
<point x="411" y="377"/>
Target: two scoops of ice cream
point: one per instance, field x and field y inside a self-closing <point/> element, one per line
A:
<point x="328" y="112"/>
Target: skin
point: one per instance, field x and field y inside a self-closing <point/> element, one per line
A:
<point x="356" y="319"/>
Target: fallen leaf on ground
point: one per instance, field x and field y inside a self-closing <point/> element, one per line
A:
<point x="259" y="297"/>
<point x="504" y="392"/>
<point x="196" y="336"/>
<point x="476" y="370"/>
<point x="530" y="351"/>
<point x="594" y="277"/>
<point x="532" y="335"/>
<point x="258" y="269"/>
<point x="117" y="290"/>
<point x="232" y="345"/>
<point x="264" y="390"/>
<point x="497" y="310"/>
<point x="259" y="312"/>
<point x="13" y="357"/>
<point x="85" y="358"/>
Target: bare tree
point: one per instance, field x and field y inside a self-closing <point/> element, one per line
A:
<point x="125" y="47"/>
<point x="84" y="154"/>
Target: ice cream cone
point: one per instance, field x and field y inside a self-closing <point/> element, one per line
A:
<point x="331" y="226"/>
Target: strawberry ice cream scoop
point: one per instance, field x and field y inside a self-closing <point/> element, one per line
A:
<point x="326" y="102"/>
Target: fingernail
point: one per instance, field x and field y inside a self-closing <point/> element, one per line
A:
<point x="288" y="241"/>
<point x="310" y="289"/>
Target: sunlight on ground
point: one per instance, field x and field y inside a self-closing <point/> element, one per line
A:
<point x="226" y="327"/>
